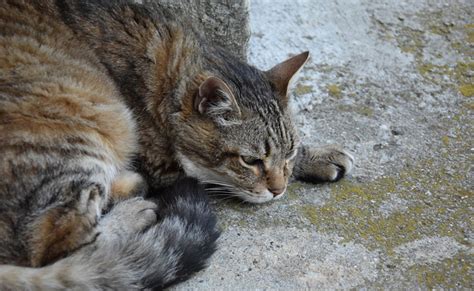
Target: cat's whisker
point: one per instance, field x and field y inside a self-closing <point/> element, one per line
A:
<point x="218" y="183"/>
<point x="218" y="190"/>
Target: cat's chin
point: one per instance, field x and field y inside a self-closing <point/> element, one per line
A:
<point x="263" y="197"/>
<point x="266" y="196"/>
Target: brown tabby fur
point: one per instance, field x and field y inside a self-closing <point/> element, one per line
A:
<point x="85" y="87"/>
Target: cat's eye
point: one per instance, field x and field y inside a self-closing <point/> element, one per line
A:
<point x="291" y="155"/>
<point x="249" y="160"/>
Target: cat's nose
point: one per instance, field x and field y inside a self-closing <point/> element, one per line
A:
<point x="277" y="191"/>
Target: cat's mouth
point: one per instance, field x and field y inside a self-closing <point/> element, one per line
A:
<point x="262" y="197"/>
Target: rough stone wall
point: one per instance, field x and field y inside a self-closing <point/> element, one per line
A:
<point x="225" y="22"/>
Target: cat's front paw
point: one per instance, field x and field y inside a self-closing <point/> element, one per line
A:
<point x="322" y="164"/>
<point x="129" y="217"/>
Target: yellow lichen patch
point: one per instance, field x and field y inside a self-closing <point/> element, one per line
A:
<point x="470" y="37"/>
<point x="365" y="110"/>
<point x="303" y="89"/>
<point x="445" y="140"/>
<point x="354" y="209"/>
<point x="450" y="273"/>
<point x="292" y="189"/>
<point x="456" y="45"/>
<point x="410" y="41"/>
<point x="467" y="90"/>
<point x="428" y="68"/>
<point x="334" y="90"/>
<point x="440" y="29"/>
<point x="311" y="213"/>
<point x="469" y="106"/>
<point x="413" y="41"/>
<point x="362" y="110"/>
<point x="462" y="74"/>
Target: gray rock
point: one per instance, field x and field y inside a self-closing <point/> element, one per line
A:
<point x="225" y="22"/>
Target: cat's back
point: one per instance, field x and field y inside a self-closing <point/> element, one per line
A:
<point x="56" y="99"/>
<point x="47" y="73"/>
<point x="32" y="33"/>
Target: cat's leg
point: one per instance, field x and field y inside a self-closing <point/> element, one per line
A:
<point x="127" y="185"/>
<point x="63" y="229"/>
<point x="322" y="164"/>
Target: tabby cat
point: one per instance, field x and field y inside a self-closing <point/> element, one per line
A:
<point x="102" y="100"/>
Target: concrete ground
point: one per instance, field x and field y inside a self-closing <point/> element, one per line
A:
<point x="393" y="82"/>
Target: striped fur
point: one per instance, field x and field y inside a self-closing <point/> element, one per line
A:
<point x="162" y="69"/>
<point x="67" y="139"/>
<point x="132" y="250"/>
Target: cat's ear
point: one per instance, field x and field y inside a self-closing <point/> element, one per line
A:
<point x="215" y="100"/>
<point x="282" y="74"/>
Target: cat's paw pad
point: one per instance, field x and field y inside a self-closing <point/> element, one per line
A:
<point x="130" y="216"/>
<point x="324" y="164"/>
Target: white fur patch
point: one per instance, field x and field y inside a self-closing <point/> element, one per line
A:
<point x="254" y="198"/>
<point x="350" y="166"/>
<point x="193" y="170"/>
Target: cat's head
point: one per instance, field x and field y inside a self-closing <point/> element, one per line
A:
<point x="236" y="129"/>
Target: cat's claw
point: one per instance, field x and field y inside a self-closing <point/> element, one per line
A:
<point x="342" y="160"/>
<point x="323" y="164"/>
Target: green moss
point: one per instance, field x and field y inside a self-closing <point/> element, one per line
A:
<point x="334" y="90"/>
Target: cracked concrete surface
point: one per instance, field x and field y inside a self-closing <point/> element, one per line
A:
<point x="393" y="82"/>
